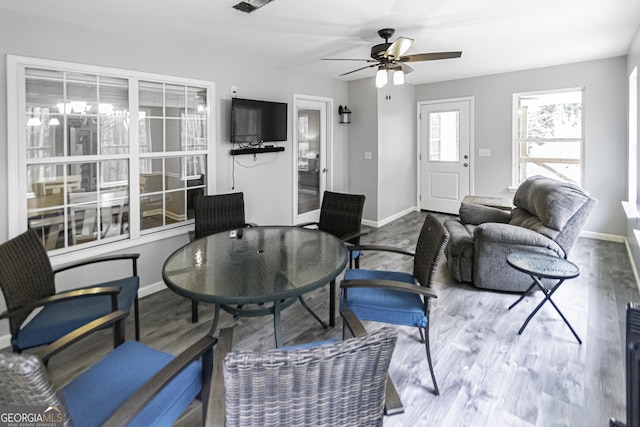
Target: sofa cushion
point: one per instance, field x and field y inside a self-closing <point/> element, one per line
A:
<point x="554" y="202"/>
<point x="522" y="218"/>
<point x="136" y="364"/>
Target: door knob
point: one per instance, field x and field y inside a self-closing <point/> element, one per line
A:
<point x="466" y="165"/>
<point x="324" y="170"/>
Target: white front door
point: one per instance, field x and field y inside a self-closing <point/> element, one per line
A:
<point x="444" y="153"/>
<point x="311" y="132"/>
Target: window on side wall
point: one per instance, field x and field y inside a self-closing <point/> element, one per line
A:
<point x="548" y="135"/>
<point x="104" y="158"/>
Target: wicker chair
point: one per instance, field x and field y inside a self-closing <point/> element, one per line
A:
<point x="214" y="214"/>
<point x="133" y="385"/>
<point x="325" y="384"/>
<point x="397" y="297"/>
<point x="341" y="215"/>
<point x="28" y="283"/>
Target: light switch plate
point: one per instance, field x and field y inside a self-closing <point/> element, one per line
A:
<point x="484" y="152"/>
<point x="367" y="155"/>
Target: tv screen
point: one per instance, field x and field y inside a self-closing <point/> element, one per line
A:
<point x="253" y="122"/>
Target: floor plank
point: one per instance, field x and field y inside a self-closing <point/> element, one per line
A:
<point x="487" y="373"/>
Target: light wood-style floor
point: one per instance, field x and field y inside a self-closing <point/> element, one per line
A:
<point x="488" y="374"/>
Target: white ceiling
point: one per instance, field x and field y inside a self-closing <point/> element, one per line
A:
<point x="494" y="35"/>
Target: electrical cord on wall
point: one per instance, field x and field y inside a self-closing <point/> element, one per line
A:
<point x="255" y="159"/>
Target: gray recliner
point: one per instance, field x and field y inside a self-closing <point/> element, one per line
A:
<point x="548" y="218"/>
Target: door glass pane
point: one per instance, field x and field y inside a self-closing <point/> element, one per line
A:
<point x="444" y="136"/>
<point x="308" y="160"/>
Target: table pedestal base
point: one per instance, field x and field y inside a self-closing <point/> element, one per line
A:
<point x="275" y="310"/>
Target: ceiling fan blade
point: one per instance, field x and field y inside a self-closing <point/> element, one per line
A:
<point x="398" y="47"/>
<point x="363" y="68"/>
<point x="406" y="69"/>
<point x="430" y="56"/>
<point x="347" y="59"/>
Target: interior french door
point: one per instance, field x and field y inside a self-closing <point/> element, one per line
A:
<point x="311" y="134"/>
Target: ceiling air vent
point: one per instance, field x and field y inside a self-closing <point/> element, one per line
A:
<point x="251" y="5"/>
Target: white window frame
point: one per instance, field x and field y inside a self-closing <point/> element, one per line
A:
<point x="515" y="169"/>
<point x="17" y="161"/>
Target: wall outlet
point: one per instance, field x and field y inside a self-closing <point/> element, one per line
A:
<point x="368" y="155"/>
<point x="484" y="152"/>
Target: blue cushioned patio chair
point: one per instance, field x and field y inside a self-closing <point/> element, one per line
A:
<point x="133" y="385"/>
<point x="214" y="214"/>
<point x="397" y="297"/>
<point x="28" y="283"/>
<point x="339" y="383"/>
<point x="341" y="215"/>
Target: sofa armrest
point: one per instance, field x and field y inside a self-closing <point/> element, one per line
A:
<point x="479" y="214"/>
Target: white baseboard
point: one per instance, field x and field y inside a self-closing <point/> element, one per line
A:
<point x="389" y="219"/>
<point x="603" y="236"/>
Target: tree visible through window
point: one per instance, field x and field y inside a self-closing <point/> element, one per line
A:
<point x="549" y="135"/>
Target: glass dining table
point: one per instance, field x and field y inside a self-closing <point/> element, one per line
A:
<point x="257" y="271"/>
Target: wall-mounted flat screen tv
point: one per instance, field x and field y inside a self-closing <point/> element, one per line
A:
<point x="253" y="122"/>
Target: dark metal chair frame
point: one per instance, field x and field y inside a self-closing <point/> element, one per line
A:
<point x="27" y="281"/>
<point x="341" y="215"/>
<point x="214" y="214"/>
<point x="431" y="244"/>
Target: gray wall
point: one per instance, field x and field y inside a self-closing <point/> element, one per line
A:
<point x="267" y="183"/>
<point x="605" y="153"/>
<point x="396" y="150"/>
<point x="363" y="136"/>
<point x="386" y="128"/>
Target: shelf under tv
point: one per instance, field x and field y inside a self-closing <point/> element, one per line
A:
<point x="255" y="150"/>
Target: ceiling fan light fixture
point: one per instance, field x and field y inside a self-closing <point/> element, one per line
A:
<point x="398" y="77"/>
<point x="381" y="77"/>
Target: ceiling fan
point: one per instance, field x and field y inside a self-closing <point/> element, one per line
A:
<point x="390" y="57"/>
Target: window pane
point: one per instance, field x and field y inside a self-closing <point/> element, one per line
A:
<point x="44" y="133"/>
<point x="197" y="101"/>
<point x="173" y="131"/>
<point x="549" y="135"/>
<point x="155" y="132"/>
<point x="114" y="133"/>
<point x="173" y="175"/>
<point x="82" y="92"/>
<point x="175" y="207"/>
<point x="114" y="95"/>
<point x="195" y="132"/>
<point x="45" y="92"/>
<point x="175" y="100"/>
<point x="83" y="136"/>
<point x="98" y="215"/>
<point x="150" y="98"/>
<point x="444" y="138"/>
<point x="151" y="211"/>
<point x="555" y="115"/>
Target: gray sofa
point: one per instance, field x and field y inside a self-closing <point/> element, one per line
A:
<point x="547" y="218"/>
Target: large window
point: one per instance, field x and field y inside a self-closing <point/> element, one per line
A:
<point x="549" y="135"/>
<point x="103" y="156"/>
